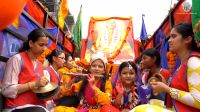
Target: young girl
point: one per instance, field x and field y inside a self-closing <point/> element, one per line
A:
<point x="125" y="93"/>
<point x="95" y="89"/>
<point x="151" y="61"/>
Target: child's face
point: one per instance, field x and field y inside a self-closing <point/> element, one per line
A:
<point x="97" y="67"/>
<point x="128" y="75"/>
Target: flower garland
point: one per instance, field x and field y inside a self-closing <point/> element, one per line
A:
<point x="42" y="57"/>
<point x="171" y="60"/>
<point x="119" y="49"/>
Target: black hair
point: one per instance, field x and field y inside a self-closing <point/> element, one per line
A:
<point x="34" y="36"/>
<point x="152" y="52"/>
<point x="55" y="53"/>
<point x="30" y="109"/>
<point x="126" y="64"/>
<point x="185" y="29"/>
<point x="138" y="59"/>
<point x="67" y="56"/>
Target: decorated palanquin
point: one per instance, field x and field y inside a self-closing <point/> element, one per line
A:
<point x="111" y="35"/>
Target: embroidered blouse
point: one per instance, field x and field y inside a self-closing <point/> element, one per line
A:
<point x="191" y="98"/>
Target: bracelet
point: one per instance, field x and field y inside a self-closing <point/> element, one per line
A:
<point x="174" y="93"/>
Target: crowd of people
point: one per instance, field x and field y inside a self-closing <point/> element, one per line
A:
<point x="139" y="85"/>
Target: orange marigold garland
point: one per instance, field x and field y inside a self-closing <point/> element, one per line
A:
<point x="42" y="57"/>
<point x="171" y="60"/>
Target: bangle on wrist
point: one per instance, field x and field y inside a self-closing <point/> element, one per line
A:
<point x="174" y="93"/>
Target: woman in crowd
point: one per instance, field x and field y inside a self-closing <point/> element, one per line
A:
<point x="56" y="59"/>
<point x="68" y="65"/>
<point x="125" y="95"/>
<point x="95" y="89"/>
<point x="183" y="88"/>
<point x="151" y="61"/>
<point x="24" y="73"/>
<point x="67" y="68"/>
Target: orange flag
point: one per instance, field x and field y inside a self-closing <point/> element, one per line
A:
<point x="63" y="12"/>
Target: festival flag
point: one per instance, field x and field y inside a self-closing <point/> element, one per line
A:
<point x="143" y="34"/>
<point x="63" y="12"/>
<point x="163" y="50"/>
<point x="78" y="32"/>
<point x="196" y="18"/>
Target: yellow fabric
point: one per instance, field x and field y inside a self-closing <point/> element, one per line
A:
<point x="63" y="12"/>
<point x="65" y="79"/>
<point x="149" y="108"/>
<point x="94" y="110"/>
<point x="156" y="102"/>
<point x="101" y="97"/>
<point x="191" y="98"/>
<point x="64" y="109"/>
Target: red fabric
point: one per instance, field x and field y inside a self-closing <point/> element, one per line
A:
<point x="52" y="46"/>
<point x="89" y="94"/>
<point x="137" y="46"/>
<point x="35" y="11"/>
<point x="38" y="14"/>
<point x="180" y="15"/>
<point x="50" y="23"/>
<point x="53" y="76"/>
<point x="181" y="78"/>
<point x="83" y="48"/>
<point x="165" y="73"/>
<point x="109" y="108"/>
<point x="149" y="44"/>
<point x="27" y="74"/>
<point x="68" y="45"/>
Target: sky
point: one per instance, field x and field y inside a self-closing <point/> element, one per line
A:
<point x="155" y="12"/>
